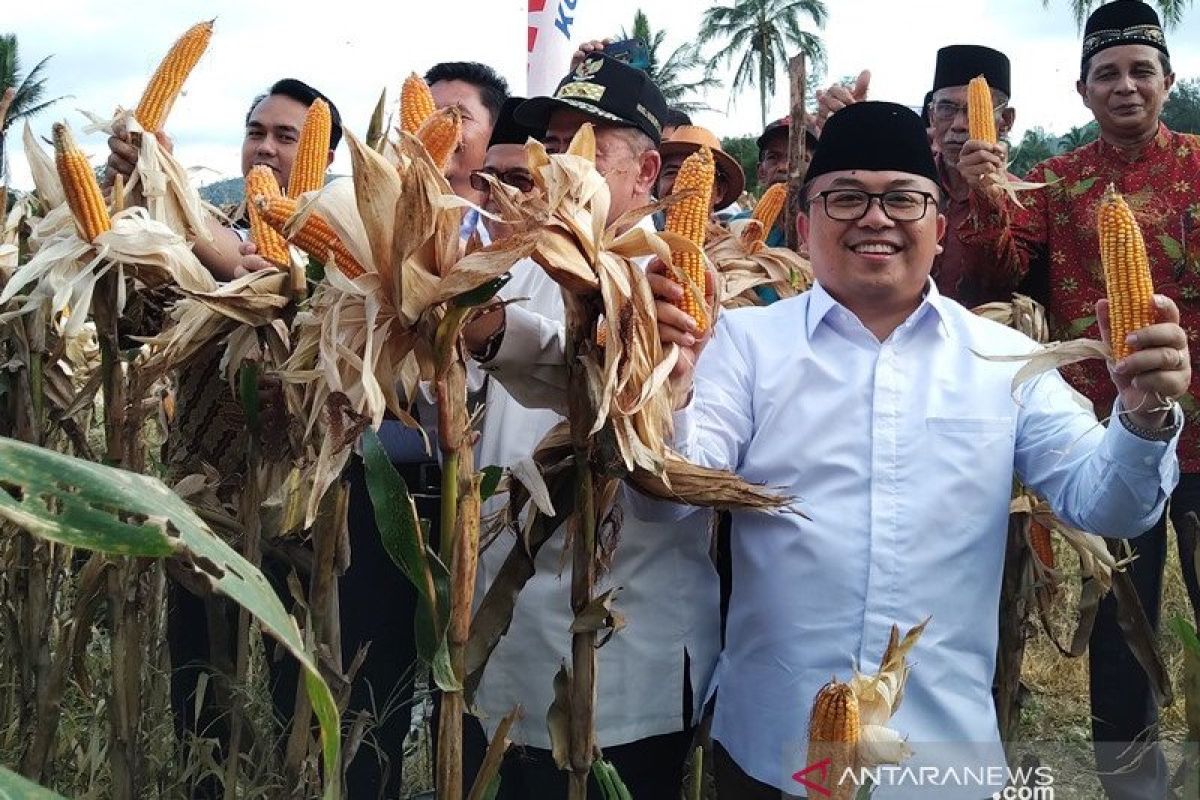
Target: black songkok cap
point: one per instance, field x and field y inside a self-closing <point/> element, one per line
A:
<point x="1122" y="22"/>
<point x="507" y="130"/>
<point x="606" y="89"/>
<point x="874" y="136"/>
<point x="959" y="63"/>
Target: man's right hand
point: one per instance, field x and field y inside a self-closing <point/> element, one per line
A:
<point x="123" y="154"/>
<point x="251" y="260"/>
<point x="838" y="96"/>
<point x="677" y="327"/>
<point x="982" y="167"/>
<point x="586" y="49"/>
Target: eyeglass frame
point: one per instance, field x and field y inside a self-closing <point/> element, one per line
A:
<point x="484" y="187"/>
<point x="959" y="108"/>
<point x="928" y="197"/>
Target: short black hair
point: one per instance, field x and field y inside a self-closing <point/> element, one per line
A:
<point x="301" y="92"/>
<point x="1164" y="61"/>
<point x="493" y="89"/>
<point x="676" y="118"/>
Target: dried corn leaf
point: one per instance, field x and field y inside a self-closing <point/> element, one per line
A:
<point x="45" y="176"/>
<point x="1022" y="314"/>
<point x="744" y="264"/>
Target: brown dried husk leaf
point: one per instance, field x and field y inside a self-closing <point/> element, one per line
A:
<point x="1050" y="357"/>
<point x="160" y="183"/>
<point x="45" y="176"/>
<point x="369" y="340"/>
<point x="62" y="274"/>
<point x="691" y="484"/>
<point x="744" y="264"/>
<point x="1022" y="314"/>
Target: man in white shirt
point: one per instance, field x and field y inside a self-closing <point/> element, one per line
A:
<point x="869" y="398"/>
<point x="652" y="674"/>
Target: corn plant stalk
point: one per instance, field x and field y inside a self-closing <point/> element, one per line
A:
<point x="581" y="327"/>
<point x="459" y="532"/>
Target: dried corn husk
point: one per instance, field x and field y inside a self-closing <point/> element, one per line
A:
<point x="860" y="737"/>
<point x="744" y="264"/>
<point x="367" y="341"/>
<point x="1021" y="314"/>
<point x="62" y="274"/>
<point x="159" y="182"/>
<point x="45" y="176"/>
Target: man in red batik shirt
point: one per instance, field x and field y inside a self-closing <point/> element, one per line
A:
<point x="1125" y="77"/>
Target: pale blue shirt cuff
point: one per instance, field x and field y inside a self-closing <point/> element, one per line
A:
<point x="684" y="425"/>
<point x="1143" y="457"/>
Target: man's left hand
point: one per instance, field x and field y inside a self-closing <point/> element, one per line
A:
<point x="1158" y="370"/>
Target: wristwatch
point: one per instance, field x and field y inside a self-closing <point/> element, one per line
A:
<point x="1164" y="434"/>
<point x="491" y="345"/>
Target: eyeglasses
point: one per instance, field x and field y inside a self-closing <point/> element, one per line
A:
<point x="947" y="110"/>
<point x="518" y="179"/>
<point x="848" y="205"/>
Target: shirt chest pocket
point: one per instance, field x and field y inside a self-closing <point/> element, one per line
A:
<point x="981" y="427"/>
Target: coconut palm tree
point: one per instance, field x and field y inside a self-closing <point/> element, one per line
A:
<point x="760" y="33"/>
<point x="30" y="91"/>
<point x="1170" y="10"/>
<point x="674" y="74"/>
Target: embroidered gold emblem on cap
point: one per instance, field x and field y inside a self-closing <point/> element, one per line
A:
<point x="587" y="69"/>
<point x="588" y="91"/>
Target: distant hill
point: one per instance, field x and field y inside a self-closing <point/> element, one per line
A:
<point x="224" y="192"/>
<point x="231" y="190"/>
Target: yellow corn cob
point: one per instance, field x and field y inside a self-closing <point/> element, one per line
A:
<point x="1126" y="271"/>
<point x="689" y="218"/>
<point x="1040" y="544"/>
<point x="981" y="117"/>
<point x="260" y="182"/>
<point x="312" y="151"/>
<point x="315" y="237"/>
<point x="416" y="103"/>
<point x="168" y="79"/>
<point x="80" y="186"/>
<point x="833" y="733"/>
<point x="440" y="134"/>
<point x="768" y="207"/>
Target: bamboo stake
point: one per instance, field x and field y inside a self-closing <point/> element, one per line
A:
<point x="796" y="76"/>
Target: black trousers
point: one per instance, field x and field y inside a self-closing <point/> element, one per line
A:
<point x="1123" y="709"/>
<point x="377" y="606"/>
<point x="651" y="768"/>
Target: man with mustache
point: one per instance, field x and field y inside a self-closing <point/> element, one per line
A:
<point x="1125" y="76"/>
<point x="965" y="270"/>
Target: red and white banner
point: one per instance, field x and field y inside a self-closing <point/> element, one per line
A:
<point x="552" y="39"/>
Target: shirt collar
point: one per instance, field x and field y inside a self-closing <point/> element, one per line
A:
<point x="1161" y="141"/>
<point x="821" y="303"/>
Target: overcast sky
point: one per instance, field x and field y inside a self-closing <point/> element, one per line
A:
<point x="350" y="49"/>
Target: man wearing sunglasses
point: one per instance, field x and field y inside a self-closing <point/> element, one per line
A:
<point x="962" y="271"/>
<point x="505" y="161"/>
<point x="904" y="427"/>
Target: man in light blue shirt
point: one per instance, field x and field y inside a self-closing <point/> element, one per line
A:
<point x="871" y="398"/>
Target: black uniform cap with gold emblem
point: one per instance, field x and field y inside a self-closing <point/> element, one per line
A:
<point x="1122" y="22"/>
<point x="874" y="136"/>
<point x="606" y="89"/>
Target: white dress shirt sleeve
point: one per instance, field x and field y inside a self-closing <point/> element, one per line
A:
<point x="531" y="360"/>
<point x="1104" y="480"/>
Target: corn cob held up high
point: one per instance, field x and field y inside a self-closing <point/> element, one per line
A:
<point x="315" y="237"/>
<point x="1126" y="271"/>
<point x="260" y="182"/>
<point x="766" y="211"/>
<point x="168" y="79"/>
<point x="981" y="117"/>
<point x="80" y="186"/>
<point x="312" y="151"/>
<point x="689" y="218"/>
<point x="440" y="134"/>
<point x="416" y="103"/>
